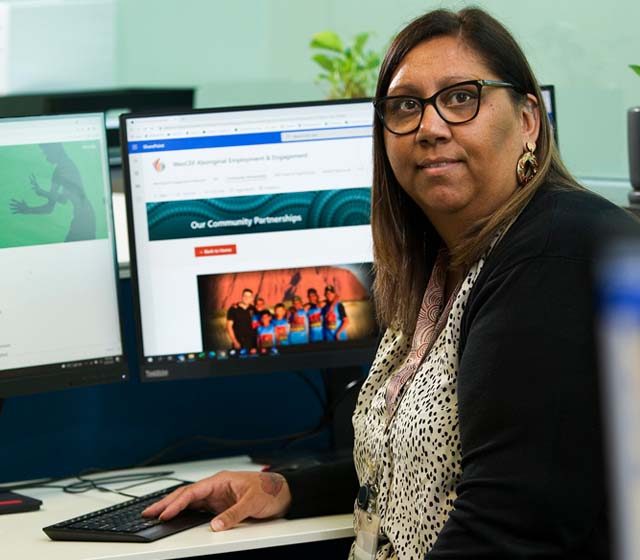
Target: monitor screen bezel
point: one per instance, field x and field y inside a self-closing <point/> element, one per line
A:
<point x="356" y="354"/>
<point x="53" y="377"/>
<point x="553" y="109"/>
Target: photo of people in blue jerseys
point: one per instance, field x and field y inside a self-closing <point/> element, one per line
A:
<point x="269" y="312"/>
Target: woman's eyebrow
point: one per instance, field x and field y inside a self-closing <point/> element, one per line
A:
<point x="411" y="88"/>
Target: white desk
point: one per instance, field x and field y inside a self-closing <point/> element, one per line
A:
<point x="22" y="537"/>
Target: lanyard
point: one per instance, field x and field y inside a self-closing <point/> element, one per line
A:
<point x="432" y="319"/>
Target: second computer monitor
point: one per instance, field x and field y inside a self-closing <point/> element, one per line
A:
<point x="251" y="243"/>
<point x="59" y="320"/>
<point x="549" y="100"/>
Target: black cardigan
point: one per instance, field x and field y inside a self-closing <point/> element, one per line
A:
<point x="533" y="482"/>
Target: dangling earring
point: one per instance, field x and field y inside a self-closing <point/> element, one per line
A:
<point x="527" y="165"/>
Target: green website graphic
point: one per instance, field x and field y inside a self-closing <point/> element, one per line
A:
<point x="258" y="214"/>
<point x="51" y="193"/>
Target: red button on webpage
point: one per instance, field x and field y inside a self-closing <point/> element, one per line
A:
<point x="215" y="250"/>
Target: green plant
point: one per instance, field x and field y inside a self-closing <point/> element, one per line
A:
<point x="635" y="68"/>
<point x="347" y="70"/>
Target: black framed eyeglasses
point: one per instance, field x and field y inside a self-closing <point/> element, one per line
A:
<point x="456" y="104"/>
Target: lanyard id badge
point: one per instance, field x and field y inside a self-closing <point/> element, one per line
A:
<point x="367" y="524"/>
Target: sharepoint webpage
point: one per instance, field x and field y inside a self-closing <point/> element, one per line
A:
<point x="278" y="212"/>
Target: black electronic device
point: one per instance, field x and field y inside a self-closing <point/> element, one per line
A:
<point x="250" y="238"/>
<point x="633" y="140"/>
<point x="549" y="100"/>
<point x="12" y="502"/>
<point x="111" y="102"/>
<point x="124" y="522"/>
<point x="59" y="315"/>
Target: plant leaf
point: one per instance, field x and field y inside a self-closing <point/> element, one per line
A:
<point x="325" y="62"/>
<point x="327" y="40"/>
<point x="348" y="69"/>
<point x="359" y="42"/>
<point x="372" y="62"/>
<point x="635" y="68"/>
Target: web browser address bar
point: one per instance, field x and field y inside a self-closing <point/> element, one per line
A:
<point x="326" y="134"/>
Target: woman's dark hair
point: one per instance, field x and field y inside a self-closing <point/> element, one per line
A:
<point x="404" y="241"/>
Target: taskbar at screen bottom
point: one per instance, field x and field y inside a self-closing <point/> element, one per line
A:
<point x="64" y="375"/>
<point x="237" y="362"/>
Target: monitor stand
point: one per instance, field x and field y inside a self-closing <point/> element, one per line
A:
<point x="341" y="386"/>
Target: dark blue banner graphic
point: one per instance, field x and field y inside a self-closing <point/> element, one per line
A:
<point x="258" y="214"/>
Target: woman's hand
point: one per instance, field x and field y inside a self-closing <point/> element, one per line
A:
<point x="235" y="496"/>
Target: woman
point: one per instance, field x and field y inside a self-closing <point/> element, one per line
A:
<point x="477" y="431"/>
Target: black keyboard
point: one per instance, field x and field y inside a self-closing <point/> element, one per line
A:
<point x="124" y="523"/>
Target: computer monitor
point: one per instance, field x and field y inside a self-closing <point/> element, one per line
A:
<point x="250" y="238"/>
<point x="59" y="320"/>
<point x="549" y="100"/>
<point x="111" y="102"/>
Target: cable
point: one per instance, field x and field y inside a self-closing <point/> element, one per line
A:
<point x="233" y="443"/>
<point x="314" y="389"/>
<point x="219" y="442"/>
<point x="332" y="406"/>
<point x="145" y="482"/>
<point x="38" y="483"/>
<point x="353" y="384"/>
<point x="85" y="484"/>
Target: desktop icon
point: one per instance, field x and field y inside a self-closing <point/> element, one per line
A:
<point x="158" y="165"/>
<point x="181" y="357"/>
<point x="212" y="354"/>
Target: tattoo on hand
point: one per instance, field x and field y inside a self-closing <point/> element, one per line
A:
<point x="271" y="483"/>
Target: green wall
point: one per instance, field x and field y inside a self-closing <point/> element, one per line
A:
<point x="255" y="51"/>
